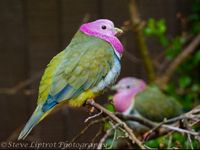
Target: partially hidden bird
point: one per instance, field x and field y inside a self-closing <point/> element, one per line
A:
<point x="134" y="97"/>
<point x="85" y="68"/>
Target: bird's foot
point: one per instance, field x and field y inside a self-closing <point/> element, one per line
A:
<point x="90" y="108"/>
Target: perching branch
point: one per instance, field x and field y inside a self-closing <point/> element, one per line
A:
<point x="169" y="127"/>
<point x="166" y="126"/>
<point x="164" y="79"/>
<point x="137" y="27"/>
<point x="192" y="116"/>
<point x="132" y="136"/>
<point x="140" y="120"/>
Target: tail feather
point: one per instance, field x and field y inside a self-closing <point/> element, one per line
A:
<point x="33" y="121"/>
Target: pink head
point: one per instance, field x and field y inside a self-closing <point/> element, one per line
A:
<point x="105" y="30"/>
<point x="127" y="88"/>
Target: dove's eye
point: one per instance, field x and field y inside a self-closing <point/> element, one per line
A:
<point x="103" y="27"/>
<point x="128" y="86"/>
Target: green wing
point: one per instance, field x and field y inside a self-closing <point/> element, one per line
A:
<point x="81" y="66"/>
<point x="46" y="81"/>
<point x="155" y="105"/>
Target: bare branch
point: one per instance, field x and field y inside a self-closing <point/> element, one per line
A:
<point x="116" y="119"/>
<point x="191" y="117"/>
<point x="180" y="130"/>
<point x="97" y="134"/>
<point x="87" y="127"/>
<point x="164" y="79"/>
<point x="190" y="141"/>
<point x="143" y="121"/>
<point x="108" y="133"/>
<point x="92" y="117"/>
<point x="137" y="27"/>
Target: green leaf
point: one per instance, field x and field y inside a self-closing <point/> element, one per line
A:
<point x="184" y="81"/>
<point x="164" y="41"/>
<point x="110" y="97"/>
<point x="151" y="23"/>
<point x="161" y="26"/>
<point x="197" y="57"/>
<point x="148" y="31"/>
<point x="170" y="88"/>
<point x="195" y="27"/>
<point x="175" y="48"/>
<point x="106" y="126"/>
<point x="152" y="143"/>
<point x="110" y="107"/>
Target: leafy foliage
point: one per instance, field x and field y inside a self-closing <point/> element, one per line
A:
<point x="186" y="84"/>
<point x="175" y="140"/>
<point x="194" y="18"/>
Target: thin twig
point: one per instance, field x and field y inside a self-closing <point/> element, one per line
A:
<point x="143" y="121"/>
<point x="169" y="141"/>
<point x="97" y="134"/>
<point x="87" y="127"/>
<point x="191" y="116"/>
<point x="166" y="76"/>
<point x="180" y="130"/>
<point x="160" y="62"/>
<point x="147" y="134"/>
<point x="116" y="119"/>
<point x="108" y="133"/>
<point x="92" y="117"/>
<point x="137" y="26"/>
<point x="190" y="141"/>
<point x="113" y="140"/>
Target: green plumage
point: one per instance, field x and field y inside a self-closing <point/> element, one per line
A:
<point x="82" y="65"/>
<point x="155" y="105"/>
<point x="70" y="76"/>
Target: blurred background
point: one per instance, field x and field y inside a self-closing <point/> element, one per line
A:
<point x="33" y="31"/>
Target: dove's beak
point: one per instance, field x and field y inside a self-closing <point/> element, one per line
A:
<point x="118" y="31"/>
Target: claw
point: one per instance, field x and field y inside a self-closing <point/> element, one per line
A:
<point x="91" y="109"/>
